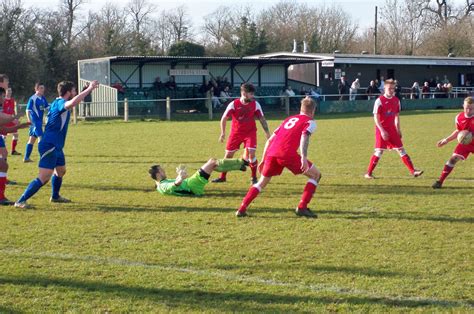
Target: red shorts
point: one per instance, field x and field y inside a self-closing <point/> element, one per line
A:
<point x="235" y="140"/>
<point x="464" y="150"/>
<point x="273" y="166"/>
<point x="394" y="140"/>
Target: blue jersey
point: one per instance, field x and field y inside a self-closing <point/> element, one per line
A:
<point x="56" y="127"/>
<point x="35" y="107"/>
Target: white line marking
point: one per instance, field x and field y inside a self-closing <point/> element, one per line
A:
<point x="235" y="278"/>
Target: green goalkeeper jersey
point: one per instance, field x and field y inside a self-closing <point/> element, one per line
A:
<point x="193" y="185"/>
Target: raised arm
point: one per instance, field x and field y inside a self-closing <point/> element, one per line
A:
<point x="77" y="100"/>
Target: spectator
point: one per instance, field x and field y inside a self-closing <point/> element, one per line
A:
<point x="119" y="87"/>
<point x="158" y="84"/>
<point x="372" y="91"/>
<point x="398" y="90"/>
<point x="415" y="91"/>
<point x="86" y="102"/>
<point x="449" y="90"/>
<point x="216" y="104"/>
<point x="438" y="91"/>
<point x="354" y="89"/>
<point x="171" y="84"/>
<point x="204" y="88"/>
<point x="382" y="85"/>
<point x="425" y="90"/>
<point x="343" y="87"/>
<point x="225" y="97"/>
<point x="289" y="92"/>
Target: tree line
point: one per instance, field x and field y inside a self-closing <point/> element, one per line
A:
<point x="44" y="44"/>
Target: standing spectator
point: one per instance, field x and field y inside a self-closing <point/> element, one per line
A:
<point x="438" y="91"/>
<point x="415" y="91"/>
<point x="87" y="101"/>
<point x="449" y="90"/>
<point x="354" y="89"/>
<point x="119" y="87"/>
<point x="343" y="87"/>
<point x="382" y="85"/>
<point x="398" y="90"/>
<point x="158" y="84"/>
<point x="372" y="91"/>
<point x="425" y="90"/>
<point x="290" y="92"/>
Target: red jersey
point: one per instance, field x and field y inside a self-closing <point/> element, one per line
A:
<point x="243" y="116"/>
<point x="464" y="123"/>
<point x="287" y="138"/>
<point x="387" y="109"/>
<point x="9" y="106"/>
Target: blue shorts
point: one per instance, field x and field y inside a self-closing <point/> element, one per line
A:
<point x="2" y="141"/>
<point x="50" y="156"/>
<point x="32" y="131"/>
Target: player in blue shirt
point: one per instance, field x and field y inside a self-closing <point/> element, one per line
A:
<point x="52" y="161"/>
<point x="34" y="113"/>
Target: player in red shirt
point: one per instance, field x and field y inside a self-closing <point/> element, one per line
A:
<point x="281" y="151"/>
<point x="243" y="112"/>
<point x="464" y="121"/>
<point x="9" y="107"/>
<point x="388" y="134"/>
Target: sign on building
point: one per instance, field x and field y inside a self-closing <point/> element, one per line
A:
<point x="188" y="72"/>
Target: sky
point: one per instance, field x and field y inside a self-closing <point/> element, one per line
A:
<point x="362" y="11"/>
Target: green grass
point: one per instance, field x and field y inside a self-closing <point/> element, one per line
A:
<point x="392" y="244"/>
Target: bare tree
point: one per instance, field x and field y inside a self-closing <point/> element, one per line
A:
<point x="180" y="23"/>
<point x="140" y="10"/>
<point x="69" y="8"/>
<point x="444" y="12"/>
<point x="217" y="24"/>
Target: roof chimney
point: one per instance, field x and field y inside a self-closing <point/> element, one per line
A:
<point x="294" y="46"/>
<point x="305" y="47"/>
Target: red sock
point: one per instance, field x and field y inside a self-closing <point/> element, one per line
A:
<point x="253" y="167"/>
<point x="407" y="161"/>
<point x="251" y="195"/>
<point x="446" y="171"/>
<point x="3" y="183"/>
<point x="14" y="143"/>
<point x="373" y="163"/>
<point x="308" y="193"/>
<point x="223" y="175"/>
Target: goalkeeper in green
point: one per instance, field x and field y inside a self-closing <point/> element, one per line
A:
<point x="194" y="185"/>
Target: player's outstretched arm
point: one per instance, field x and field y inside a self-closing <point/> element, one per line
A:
<point x="77" y="100"/>
<point x="7" y="118"/>
<point x="304" y="145"/>
<point x="448" y="139"/>
<point x="264" y="124"/>
<point x="15" y="128"/>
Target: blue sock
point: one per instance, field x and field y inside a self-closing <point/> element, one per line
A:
<point x="31" y="190"/>
<point x="56" y="185"/>
<point x="29" y="149"/>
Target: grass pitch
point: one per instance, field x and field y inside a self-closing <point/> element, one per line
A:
<point x="392" y="244"/>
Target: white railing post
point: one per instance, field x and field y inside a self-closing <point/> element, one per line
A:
<point x="209" y="103"/>
<point x="74" y="114"/>
<point x="168" y="108"/>
<point x="125" y="109"/>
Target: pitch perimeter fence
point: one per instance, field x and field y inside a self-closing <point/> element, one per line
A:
<point x="211" y="108"/>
